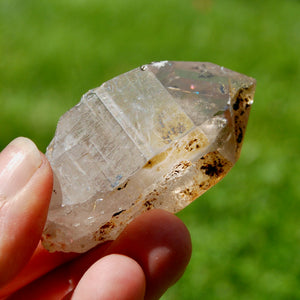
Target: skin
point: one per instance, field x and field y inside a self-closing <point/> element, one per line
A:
<point x="148" y="257"/>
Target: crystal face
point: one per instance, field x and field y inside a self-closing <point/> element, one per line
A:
<point x="158" y="136"/>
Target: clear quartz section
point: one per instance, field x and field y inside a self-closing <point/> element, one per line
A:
<point x="158" y="136"/>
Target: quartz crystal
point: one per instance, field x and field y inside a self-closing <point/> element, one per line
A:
<point x="158" y="136"/>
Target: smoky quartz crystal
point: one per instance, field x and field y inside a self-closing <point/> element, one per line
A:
<point x="158" y="136"/>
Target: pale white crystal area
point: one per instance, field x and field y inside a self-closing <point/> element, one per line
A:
<point x="155" y="137"/>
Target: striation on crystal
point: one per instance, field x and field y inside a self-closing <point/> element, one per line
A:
<point x="158" y="136"/>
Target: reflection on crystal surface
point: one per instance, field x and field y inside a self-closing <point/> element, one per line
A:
<point x="158" y="136"/>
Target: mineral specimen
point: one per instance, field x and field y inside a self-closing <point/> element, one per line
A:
<point x="158" y="136"/>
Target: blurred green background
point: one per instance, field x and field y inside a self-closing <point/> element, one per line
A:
<point x="246" y="230"/>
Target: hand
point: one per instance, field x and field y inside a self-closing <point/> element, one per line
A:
<point x="149" y="256"/>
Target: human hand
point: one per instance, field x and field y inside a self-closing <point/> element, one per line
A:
<point x="148" y="257"/>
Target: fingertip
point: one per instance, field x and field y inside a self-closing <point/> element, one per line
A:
<point x="160" y="242"/>
<point x="40" y="189"/>
<point x="112" y="277"/>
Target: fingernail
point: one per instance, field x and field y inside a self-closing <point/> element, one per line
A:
<point x="18" y="162"/>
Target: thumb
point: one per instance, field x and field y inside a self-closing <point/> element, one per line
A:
<point x="25" y="192"/>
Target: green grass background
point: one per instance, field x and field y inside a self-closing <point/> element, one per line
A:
<point x="246" y="230"/>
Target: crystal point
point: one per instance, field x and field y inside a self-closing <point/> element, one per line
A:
<point x="158" y="136"/>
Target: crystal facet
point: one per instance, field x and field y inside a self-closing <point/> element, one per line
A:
<point x="158" y="136"/>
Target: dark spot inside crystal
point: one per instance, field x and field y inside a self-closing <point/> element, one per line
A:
<point x="236" y="105"/>
<point x="222" y="89"/>
<point x="118" y="213"/>
<point x="240" y="136"/>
